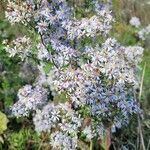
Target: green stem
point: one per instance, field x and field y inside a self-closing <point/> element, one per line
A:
<point x="91" y="145"/>
<point x="142" y="81"/>
<point x="139" y="120"/>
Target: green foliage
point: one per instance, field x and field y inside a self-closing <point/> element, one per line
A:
<point x="60" y="98"/>
<point x="4" y="121"/>
<point x="23" y="140"/>
<point x="125" y="9"/>
<point x="10" y="81"/>
<point x="124" y="33"/>
<point x="48" y="67"/>
<point x="146" y="89"/>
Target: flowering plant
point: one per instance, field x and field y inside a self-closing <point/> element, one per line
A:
<point x="97" y="78"/>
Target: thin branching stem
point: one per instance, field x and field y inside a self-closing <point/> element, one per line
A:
<point x="91" y="144"/>
<point x="139" y="120"/>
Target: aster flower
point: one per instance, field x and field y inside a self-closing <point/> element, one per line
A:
<point x="42" y="26"/>
<point x="46" y="118"/>
<point x="135" y="22"/>
<point x="18" y="13"/>
<point x="143" y="33"/>
<point x="22" y="46"/>
<point x="63" y="141"/>
<point x="57" y="116"/>
<point x="29" y="99"/>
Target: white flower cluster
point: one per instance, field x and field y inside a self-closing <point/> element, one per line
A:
<point x="64" y="120"/>
<point x="46" y="118"/>
<point x="91" y="132"/>
<point x="88" y="27"/>
<point x="60" y="116"/>
<point x="112" y="60"/>
<point x="61" y="140"/>
<point x="135" y="21"/>
<point x="30" y="98"/>
<point x="134" y="54"/>
<point x="144" y="33"/>
<point x="86" y="86"/>
<point x="21" y="46"/>
<point x="18" y="13"/>
<point x="63" y="53"/>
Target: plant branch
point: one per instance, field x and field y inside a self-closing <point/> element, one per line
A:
<point x="138" y="117"/>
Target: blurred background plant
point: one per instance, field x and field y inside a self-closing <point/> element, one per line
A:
<point x="20" y="134"/>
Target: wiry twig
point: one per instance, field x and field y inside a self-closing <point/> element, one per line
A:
<point x="138" y="117"/>
<point x="42" y="40"/>
<point x="142" y="81"/>
<point x="148" y="146"/>
<point x="42" y="141"/>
